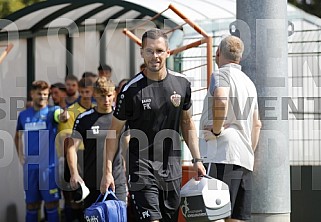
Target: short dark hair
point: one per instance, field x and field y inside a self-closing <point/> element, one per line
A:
<point x="85" y="82"/>
<point x="71" y="77"/>
<point x="154" y="34"/>
<point x="121" y="83"/>
<point x="40" y="84"/>
<point x="142" y="66"/>
<point x="104" y="67"/>
<point x="88" y="74"/>
<point x="59" y="85"/>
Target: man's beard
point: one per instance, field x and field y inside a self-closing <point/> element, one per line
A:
<point x="56" y="103"/>
<point x="71" y="94"/>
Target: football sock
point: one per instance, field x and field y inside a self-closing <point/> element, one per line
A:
<point x="32" y="216"/>
<point x="53" y="215"/>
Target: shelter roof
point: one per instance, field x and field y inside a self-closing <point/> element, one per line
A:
<point x="64" y="15"/>
<point x="38" y="18"/>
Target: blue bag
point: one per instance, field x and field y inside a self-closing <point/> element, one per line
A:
<point x="111" y="210"/>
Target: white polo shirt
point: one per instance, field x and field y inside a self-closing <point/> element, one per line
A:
<point x="234" y="145"/>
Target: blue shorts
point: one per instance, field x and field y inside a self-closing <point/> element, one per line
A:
<point x="40" y="184"/>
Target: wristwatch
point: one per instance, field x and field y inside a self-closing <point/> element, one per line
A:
<point x="195" y="160"/>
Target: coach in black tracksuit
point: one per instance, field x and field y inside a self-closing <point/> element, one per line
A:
<point x="155" y="104"/>
<point x="91" y="128"/>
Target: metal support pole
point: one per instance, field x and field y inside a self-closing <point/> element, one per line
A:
<point x="69" y="55"/>
<point x="31" y="66"/>
<point x="102" y="47"/>
<point x="209" y="48"/>
<point x="132" y="62"/>
<point x="266" y="64"/>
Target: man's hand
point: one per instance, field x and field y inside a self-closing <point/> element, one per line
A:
<point x="208" y="135"/>
<point x="107" y="181"/>
<point x="64" y="116"/>
<point x="74" y="180"/>
<point x="208" y="132"/>
<point x="200" y="169"/>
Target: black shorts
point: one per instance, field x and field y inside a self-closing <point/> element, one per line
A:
<point x="239" y="181"/>
<point x="156" y="201"/>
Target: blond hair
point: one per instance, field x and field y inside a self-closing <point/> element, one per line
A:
<point x="104" y="86"/>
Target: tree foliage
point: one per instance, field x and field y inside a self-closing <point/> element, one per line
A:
<point x="309" y="6"/>
<point x="9" y="6"/>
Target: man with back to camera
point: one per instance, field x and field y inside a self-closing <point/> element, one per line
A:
<point x="155" y="104"/>
<point x="230" y="126"/>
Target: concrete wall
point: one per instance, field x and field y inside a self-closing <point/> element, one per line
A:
<point x="12" y="95"/>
